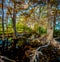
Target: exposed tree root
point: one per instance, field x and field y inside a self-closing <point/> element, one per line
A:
<point x="35" y="53"/>
<point x="55" y="43"/>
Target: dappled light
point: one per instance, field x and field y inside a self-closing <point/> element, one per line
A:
<point x="29" y="31"/>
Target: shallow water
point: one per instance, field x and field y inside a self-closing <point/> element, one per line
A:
<point x="1" y="42"/>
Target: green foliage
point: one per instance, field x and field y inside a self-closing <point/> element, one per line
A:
<point x="23" y="28"/>
<point x="20" y="43"/>
<point x="56" y="32"/>
<point x="27" y="29"/>
<point x="0" y="28"/>
<point x="42" y="30"/>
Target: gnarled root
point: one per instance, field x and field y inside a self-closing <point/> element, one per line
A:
<point x="34" y="56"/>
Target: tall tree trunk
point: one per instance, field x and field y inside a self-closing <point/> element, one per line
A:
<point x="7" y="29"/>
<point x="14" y="24"/>
<point x="50" y="27"/>
<point x="54" y="22"/>
<point x="14" y="20"/>
<point x="3" y="20"/>
<point x="7" y="25"/>
<point x="3" y="36"/>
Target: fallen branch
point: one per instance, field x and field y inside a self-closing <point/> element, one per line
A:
<point x="5" y="58"/>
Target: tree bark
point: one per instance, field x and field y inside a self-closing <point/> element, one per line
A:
<point x="50" y="27"/>
<point x="14" y="21"/>
<point x="54" y="22"/>
<point x="3" y="20"/>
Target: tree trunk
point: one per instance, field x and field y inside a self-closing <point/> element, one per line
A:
<point x="7" y="29"/>
<point x="3" y="36"/>
<point x="3" y="21"/>
<point x="54" y="22"/>
<point x="50" y="27"/>
<point x="14" y="20"/>
<point x="7" y="24"/>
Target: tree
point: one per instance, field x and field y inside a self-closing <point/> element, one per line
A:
<point x="3" y="19"/>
